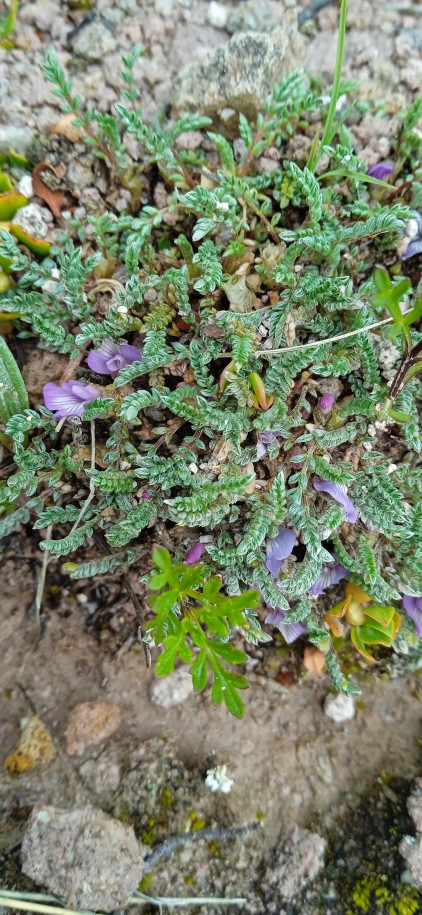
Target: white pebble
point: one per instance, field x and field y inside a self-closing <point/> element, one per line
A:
<point x="172" y="689"/>
<point x="339" y="708"/>
<point x="217" y="15"/>
<point x="25" y="186"/>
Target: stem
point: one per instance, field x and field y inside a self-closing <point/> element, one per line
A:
<point x="291" y="349"/>
<point x="255" y="209"/>
<point x="41" y="580"/>
<point x="91" y="481"/>
<point x="335" y="91"/>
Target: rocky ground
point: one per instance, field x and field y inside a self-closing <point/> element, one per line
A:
<point x="141" y="751"/>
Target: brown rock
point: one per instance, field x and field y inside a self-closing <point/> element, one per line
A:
<point x="89" y="724"/>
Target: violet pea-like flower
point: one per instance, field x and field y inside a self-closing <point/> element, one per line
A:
<point x="268" y="437"/>
<point x="279" y="548"/>
<point x="331" y="573"/>
<point x="69" y="398"/>
<point x="195" y="553"/>
<point x="338" y="492"/>
<point x="413" y="608"/>
<point x="289" y="631"/>
<point x="327" y="401"/>
<point x="381" y="170"/>
<point x="111" y="357"/>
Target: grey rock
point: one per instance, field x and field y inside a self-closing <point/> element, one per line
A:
<point x="252" y="16"/>
<point x="94" y="41"/>
<point x="89" y="859"/>
<point x="172" y="689"/>
<point x="78" y="177"/>
<point x="414" y="804"/>
<point x="411" y="850"/>
<point x="237" y="75"/>
<point x="32" y="219"/>
<point x="299" y="858"/>
<point x="13" y="137"/>
<point x="411" y="846"/>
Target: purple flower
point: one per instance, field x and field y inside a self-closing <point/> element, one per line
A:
<point x="338" y="492"/>
<point x="194" y="553"/>
<point x="146" y="494"/>
<point x="279" y="548"/>
<point x="414" y="247"/>
<point x="70" y="398"/>
<point x="330" y="574"/>
<point x="264" y="439"/>
<point x="381" y="170"/>
<point x="290" y="631"/>
<point x="327" y="401"/>
<point x="413" y="607"/>
<point x="111" y="357"/>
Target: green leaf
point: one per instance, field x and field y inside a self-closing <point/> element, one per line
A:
<point x="199" y="671"/>
<point x="13" y="395"/>
<point x="174" y="646"/>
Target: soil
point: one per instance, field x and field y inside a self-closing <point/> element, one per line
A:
<point x="289" y="762"/>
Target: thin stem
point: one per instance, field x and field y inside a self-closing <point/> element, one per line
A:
<point x="41" y="581"/>
<point x="165" y="850"/>
<point x="258" y="212"/>
<point x="27" y="902"/>
<point x="291" y="349"/>
<point x="102" y="542"/>
<point x="91" y="481"/>
<point x="335" y="91"/>
<point x="171" y="901"/>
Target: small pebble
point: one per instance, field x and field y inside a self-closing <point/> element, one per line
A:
<point x="339" y="708"/>
<point x="217" y="15"/>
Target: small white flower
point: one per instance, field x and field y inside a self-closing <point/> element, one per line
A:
<point x="218" y="780"/>
<point x="222" y="205"/>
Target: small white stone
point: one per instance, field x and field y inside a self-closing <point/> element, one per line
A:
<point x="193" y="468"/>
<point x="226" y="113"/>
<point x="164" y="7"/>
<point x="217" y="15"/>
<point x="172" y="689"/>
<point x="122" y="309"/>
<point x="218" y="780"/>
<point x="339" y="708"/>
<point x="391" y="468"/>
<point x="25" y="186"/>
<point x="411" y="228"/>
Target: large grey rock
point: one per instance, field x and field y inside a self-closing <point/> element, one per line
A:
<point x="300" y="857"/>
<point x="237" y="75"/>
<point x="89" y="859"/>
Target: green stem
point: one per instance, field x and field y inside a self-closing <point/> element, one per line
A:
<point x="335" y="92"/>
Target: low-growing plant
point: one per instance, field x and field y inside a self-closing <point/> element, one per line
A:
<point x="245" y="406"/>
